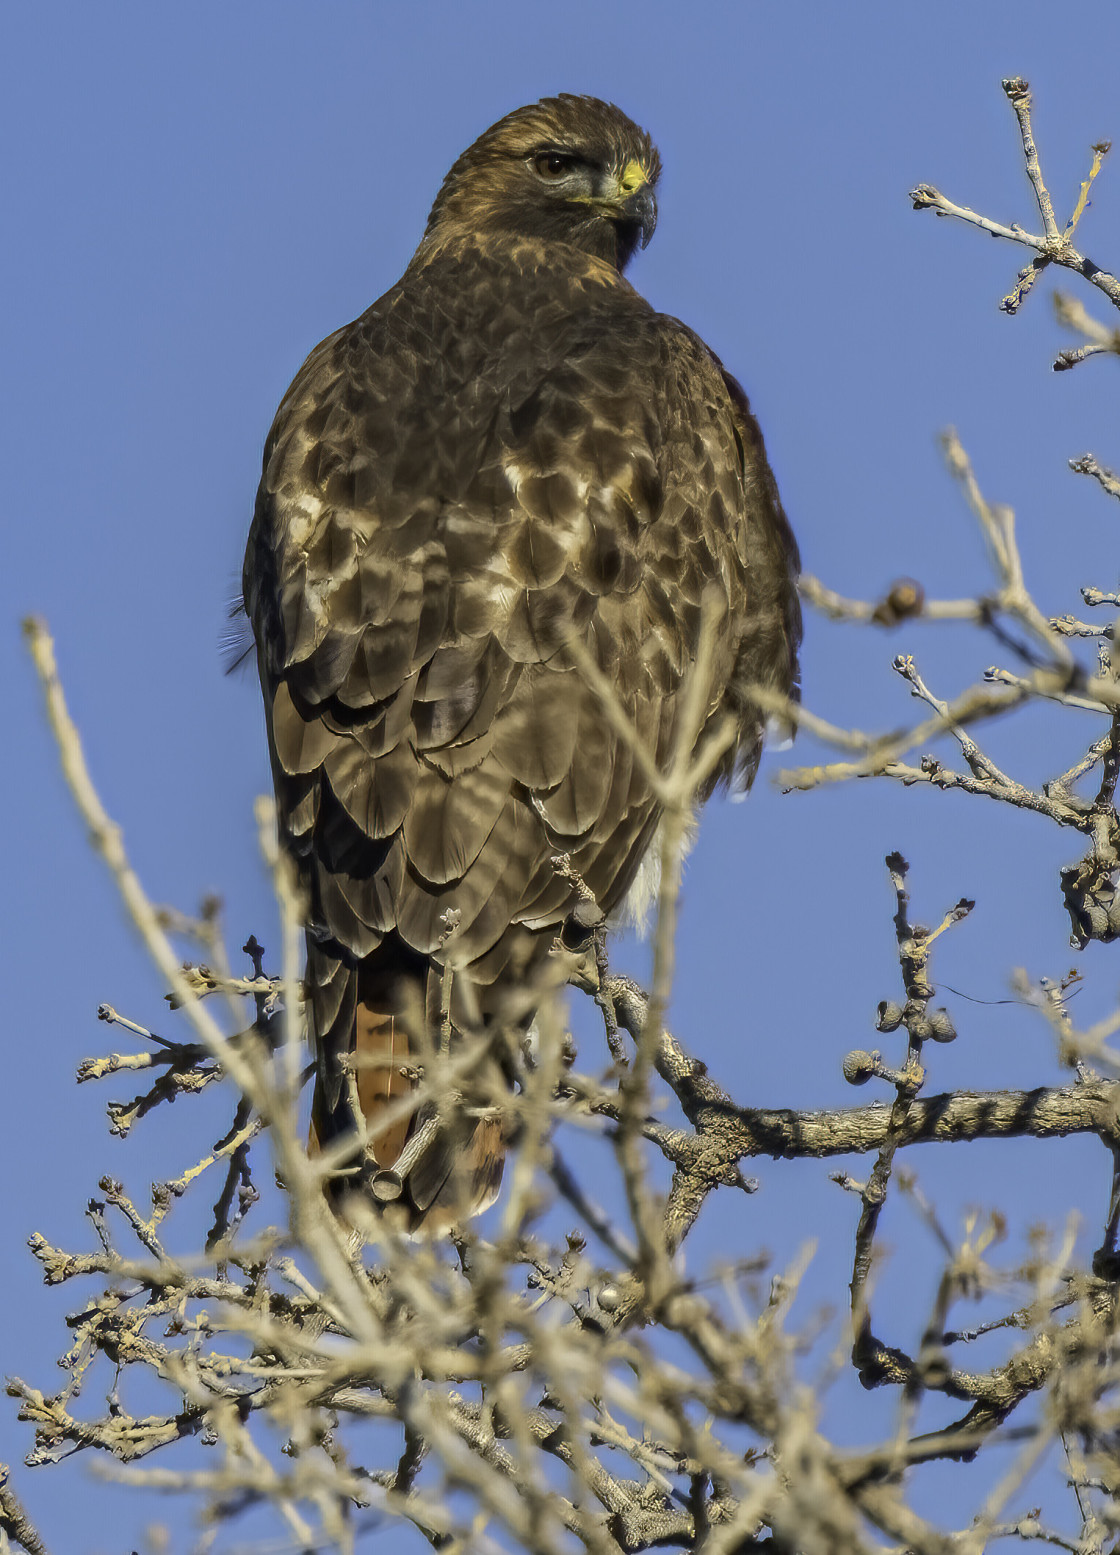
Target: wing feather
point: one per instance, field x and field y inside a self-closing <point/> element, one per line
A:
<point x="455" y="484"/>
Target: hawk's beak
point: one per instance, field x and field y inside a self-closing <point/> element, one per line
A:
<point x="640" y="210"/>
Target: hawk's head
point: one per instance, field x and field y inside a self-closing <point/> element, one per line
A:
<point x="570" y="169"/>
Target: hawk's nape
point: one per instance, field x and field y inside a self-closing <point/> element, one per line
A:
<point x="508" y="450"/>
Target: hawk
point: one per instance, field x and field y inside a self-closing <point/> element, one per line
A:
<point x="510" y="450"/>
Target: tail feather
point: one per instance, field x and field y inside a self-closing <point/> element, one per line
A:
<point x="381" y="1046"/>
<point x="446" y="1173"/>
<point x="460" y="1176"/>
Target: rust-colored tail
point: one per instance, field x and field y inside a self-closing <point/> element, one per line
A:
<point x="424" y="1172"/>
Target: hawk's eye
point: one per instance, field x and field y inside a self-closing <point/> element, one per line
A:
<point x="552" y="165"/>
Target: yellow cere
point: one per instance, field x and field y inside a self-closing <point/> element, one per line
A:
<point x="632" y="177"/>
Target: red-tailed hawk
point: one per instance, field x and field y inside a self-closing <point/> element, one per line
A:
<point x="508" y="449"/>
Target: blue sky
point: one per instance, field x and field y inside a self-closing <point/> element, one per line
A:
<point x="196" y="195"/>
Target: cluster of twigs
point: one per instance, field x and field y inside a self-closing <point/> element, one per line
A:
<point x="1047" y="666"/>
<point x="531" y="1374"/>
<point x="559" y="1378"/>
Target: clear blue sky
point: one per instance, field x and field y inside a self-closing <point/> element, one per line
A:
<point x="196" y="194"/>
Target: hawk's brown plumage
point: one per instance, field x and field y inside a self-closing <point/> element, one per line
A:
<point x="508" y="448"/>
